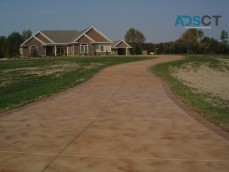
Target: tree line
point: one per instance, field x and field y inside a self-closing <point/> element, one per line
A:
<point x="10" y="46"/>
<point x="192" y="41"/>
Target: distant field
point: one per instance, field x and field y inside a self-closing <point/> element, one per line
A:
<point x="26" y="80"/>
<point x="203" y="82"/>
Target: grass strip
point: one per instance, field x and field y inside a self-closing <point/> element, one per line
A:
<point x="216" y="114"/>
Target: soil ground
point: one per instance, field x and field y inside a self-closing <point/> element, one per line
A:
<point x="205" y="79"/>
<point x="120" y="120"/>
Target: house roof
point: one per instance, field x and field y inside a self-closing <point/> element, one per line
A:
<point x="68" y="36"/>
<point x="61" y="36"/>
<point x="116" y="43"/>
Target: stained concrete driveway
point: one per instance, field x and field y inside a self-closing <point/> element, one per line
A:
<point x="121" y="120"/>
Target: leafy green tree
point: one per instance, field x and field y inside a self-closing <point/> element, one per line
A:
<point x="212" y="46"/>
<point x="200" y="35"/>
<point x="136" y="39"/>
<point x="14" y="41"/>
<point x="2" y="46"/>
<point x="209" y="45"/>
<point x="26" y="34"/>
<point x="191" y="39"/>
<point x="224" y="36"/>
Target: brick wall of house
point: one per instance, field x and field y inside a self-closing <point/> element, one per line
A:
<point x="70" y="50"/>
<point x="42" y="38"/>
<point x="84" y="40"/>
<point x="96" y="36"/>
<point x="76" y="50"/>
<point x="27" y="49"/>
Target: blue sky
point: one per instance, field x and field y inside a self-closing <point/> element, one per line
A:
<point x="155" y="18"/>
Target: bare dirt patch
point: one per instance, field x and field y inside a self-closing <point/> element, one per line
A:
<point x="13" y="75"/>
<point x="208" y="80"/>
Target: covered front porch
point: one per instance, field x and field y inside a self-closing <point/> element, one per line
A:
<point x="55" y="50"/>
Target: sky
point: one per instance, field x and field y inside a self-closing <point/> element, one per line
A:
<point x="154" y="18"/>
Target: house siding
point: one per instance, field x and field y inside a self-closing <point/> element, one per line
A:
<point x="114" y="52"/>
<point x="42" y="38"/>
<point x="91" y="47"/>
<point x="107" y="49"/>
<point x="70" y="50"/>
<point x="76" y="50"/>
<point x="96" y="36"/>
<point x="33" y="41"/>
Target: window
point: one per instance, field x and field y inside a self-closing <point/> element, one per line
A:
<point x="101" y="48"/>
<point x="60" y="50"/>
<point x="33" y="50"/>
<point x="83" y="48"/>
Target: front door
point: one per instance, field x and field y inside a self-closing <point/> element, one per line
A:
<point x="49" y="51"/>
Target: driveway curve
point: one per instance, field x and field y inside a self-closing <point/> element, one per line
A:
<point x="121" y="120"/>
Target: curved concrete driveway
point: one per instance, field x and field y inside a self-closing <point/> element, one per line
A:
<point x="121" y="120"/>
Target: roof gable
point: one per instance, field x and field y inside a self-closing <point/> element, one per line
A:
<point x="33" y="40"/>
<point x="33" y="37"/>
<point x="42" y="37"/>
<point x="96" y="35"/>
<point x="120" y="44"/>
<point x="84" y="37"/>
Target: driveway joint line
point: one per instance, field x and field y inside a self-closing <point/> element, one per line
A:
<point x="120" y="157"/>
<point x="91" y="123"/>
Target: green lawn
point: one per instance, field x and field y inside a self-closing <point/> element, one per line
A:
<point x="216" y="112"/>
<point x="23" y="81"/>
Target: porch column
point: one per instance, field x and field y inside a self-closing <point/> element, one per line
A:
<point x="45" y="54"/>
<point x="67" y="50"/>
<point x="126" y="51"/>
<point x="55" y="50"/>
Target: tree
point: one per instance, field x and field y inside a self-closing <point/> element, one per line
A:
<point x="209" y="45"/>
<point x="191" y="39"/>
<point x="26" y="34"/>
<point x="136" y="39"/>
<point x="200" y="35"/>
<point x="14" y="41"/>
<point x="2" y="46"/>
<point x="224" y="36"/>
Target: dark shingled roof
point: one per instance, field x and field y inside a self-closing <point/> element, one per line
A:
<point x="62" y="36"/>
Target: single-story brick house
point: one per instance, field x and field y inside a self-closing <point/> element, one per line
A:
<point x="88" y="42"/>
